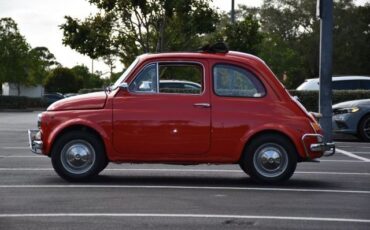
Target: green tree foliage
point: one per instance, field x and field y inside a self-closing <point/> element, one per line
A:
<point x="88" y="79"/>
<point x="14" y="61"/>
<point x="244" y="35"/>
<point x="127" y="28"/>
<point x="42" y="61"/>
<point x="19" y="63"/>
<point x="63" y="80"/>
<point x="291" y="38"/>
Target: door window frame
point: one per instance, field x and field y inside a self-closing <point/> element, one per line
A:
<point x="157" y="64"/>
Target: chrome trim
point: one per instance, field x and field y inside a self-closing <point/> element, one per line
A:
<point x="322" y="147"/>
<point x="78" y="156"/>
<point x="204" y="105"/>
<point x="36" y="145"/>
<point x="318" y="147"/>
<point x="270" y="160"/>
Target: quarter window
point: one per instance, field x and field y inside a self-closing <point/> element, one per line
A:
<point x="229" y="80"/>
<point x="146" y="81"/>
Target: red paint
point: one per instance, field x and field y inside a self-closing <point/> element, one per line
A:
<point x="139" y="127"/>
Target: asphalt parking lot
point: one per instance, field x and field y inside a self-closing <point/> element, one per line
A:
<point x="332" y="194"/>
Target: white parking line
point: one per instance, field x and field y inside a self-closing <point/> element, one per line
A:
<point x="349" y="154"/>
<point x="23" y="156"/>
<point x="361" y="152"/>
<point x="343" y="161"/>
<point x="189" y="171"/>
<point x="361" y="147"/>
<point x="171" y="215"/>
<point x="11" y="147"/>
<point x="364" y="192"/>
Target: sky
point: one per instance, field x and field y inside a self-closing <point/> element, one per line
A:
<point x="39" y="20"/>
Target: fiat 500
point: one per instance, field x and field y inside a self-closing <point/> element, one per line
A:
<point x="239" y="113"/>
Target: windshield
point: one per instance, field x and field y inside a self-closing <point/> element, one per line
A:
<point x="125" y="74"/>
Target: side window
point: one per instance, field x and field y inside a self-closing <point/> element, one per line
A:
<point x="346" y="84"/>
<point x="146" y="81"/>
<point x="229" y="80"/>
<point x="180" y="78"/>
<point x="365" y="84"/>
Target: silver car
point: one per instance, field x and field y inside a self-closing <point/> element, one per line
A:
<point x="352" y="117"/>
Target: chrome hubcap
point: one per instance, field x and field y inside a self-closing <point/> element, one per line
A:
<point x="78" y="156"/>
<point x="270" y="160"/>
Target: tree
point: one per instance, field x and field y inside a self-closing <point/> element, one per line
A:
<point x="127" y="28"/>
<point x="291" y="38"/>
<point x="63" y="80"/>
<point x="244" y="35"/>
<point x="14" y="61"/>
<point x="88" y="79"/>
<point x="42" y="61"/>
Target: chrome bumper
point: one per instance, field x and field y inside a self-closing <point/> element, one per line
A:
<point x="35" y="142"/>
<point x="327" y="148"/>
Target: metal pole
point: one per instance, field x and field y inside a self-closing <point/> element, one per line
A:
<point x="326" y="52"/>
<point x="92" y="66"/>
<point x="232" y="11"/>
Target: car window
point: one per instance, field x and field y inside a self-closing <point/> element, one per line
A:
<point x="347" y="84"/>
<point x="365" y="84"/>
<point x="176" y="78"/>
<point x="146" y="81"/>
<point x="229" y="80"/>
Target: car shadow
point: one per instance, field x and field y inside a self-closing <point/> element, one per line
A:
<point x="197" y="181"/>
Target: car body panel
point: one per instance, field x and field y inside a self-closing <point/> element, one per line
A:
<point x="348" y="123"/>
<point x="338" y="83"/>
<point x="168" y="128"/>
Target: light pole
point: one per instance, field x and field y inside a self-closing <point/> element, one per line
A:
<point x="232" y="11"/>
<point x="325" y="13"/>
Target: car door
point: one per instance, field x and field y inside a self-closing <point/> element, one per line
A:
<point x="156" y="123"/>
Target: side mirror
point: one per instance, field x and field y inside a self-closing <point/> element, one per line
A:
<point x="297" y="98"/>
<point x="123" y="86"/>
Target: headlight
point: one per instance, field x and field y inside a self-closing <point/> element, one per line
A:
<point x="345" y="110"/>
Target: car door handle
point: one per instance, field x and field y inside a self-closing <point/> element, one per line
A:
<point x="203" y="105"/>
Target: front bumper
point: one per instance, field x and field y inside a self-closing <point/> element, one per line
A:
<point x="314" y="143"/>
<point x="35" y="142"/>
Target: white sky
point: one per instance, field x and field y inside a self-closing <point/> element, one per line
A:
<point x="38" y="21"/>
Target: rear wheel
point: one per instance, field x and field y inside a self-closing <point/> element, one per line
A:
<point x="269" y="158"/>
<point x="78" y="156"/>
<point x="364" y="128"/>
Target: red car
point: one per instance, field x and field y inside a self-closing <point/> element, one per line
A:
<point x="240" y="114"/>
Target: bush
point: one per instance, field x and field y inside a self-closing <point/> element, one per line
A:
<point x="310" y="99"/>
<point x="63" y="80"/>
<point x="15" y="102"/>
<point x="83" y="91"/>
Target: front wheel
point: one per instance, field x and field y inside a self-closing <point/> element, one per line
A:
<point x="78" y="156"/>
<point x="269" y="158"/>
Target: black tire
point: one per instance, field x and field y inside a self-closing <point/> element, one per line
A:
<point x="364" y="128"/>
<point x="269" y="158"/>
<point x="78" y="156"/>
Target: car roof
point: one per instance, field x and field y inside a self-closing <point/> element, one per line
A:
<point x="204" y="55"/>
<point x="344" y="78"/>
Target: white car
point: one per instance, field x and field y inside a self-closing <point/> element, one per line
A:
<point x="338" y="83"/>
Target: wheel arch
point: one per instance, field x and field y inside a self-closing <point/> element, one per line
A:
<point x="360" y="122"/>
<point x="269" y="132"/>
<point x="76" y="127"/>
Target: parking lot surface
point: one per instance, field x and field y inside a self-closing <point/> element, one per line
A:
<point x="332" y="194"/>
